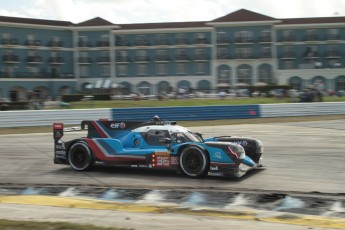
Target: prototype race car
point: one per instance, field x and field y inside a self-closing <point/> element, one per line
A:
<point x="156" y="144"/>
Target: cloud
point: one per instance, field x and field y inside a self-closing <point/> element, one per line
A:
<point x="145" y="11"/>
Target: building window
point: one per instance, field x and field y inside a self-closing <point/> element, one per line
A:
<point x="310" y="53"/>
<point x="244" y="76"/>
<point x="123" y="69"/>
<point x="141" y="69"/>
<point x="245" y="52"/>
<point x="141" y="40"/>
<point x="161" y="69"/>
<point x="82" y="41"/>
<point x="221" y="37"/>
<point x="333" y="34"/>
<point x="33" y="71"/>
<point x="84" y="71"/>
<point x="288" y="35"/>
<point x="181" y="68"/>
<point x="265" y="36"/>
<point x="244" y="36"/>
<point x="105" y="70"/>
<point x="265" y="76"/>
<point x="289" y="64"/>
<point x="266" y="52"/>
<point x="200" y="68"/>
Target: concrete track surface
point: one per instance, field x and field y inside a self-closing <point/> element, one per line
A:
<point x="301" y="157"/>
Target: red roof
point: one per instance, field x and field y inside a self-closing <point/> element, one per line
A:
<point x="313" y="20"/>
<point x="164" y="25"/>
<point x="34" y="21"/>
<point x="243" y="15"/>
<point x="95" y="22"/>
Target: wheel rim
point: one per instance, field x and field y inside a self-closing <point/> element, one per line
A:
<point x="193" y="162"/>
<point x="79" y="157"/>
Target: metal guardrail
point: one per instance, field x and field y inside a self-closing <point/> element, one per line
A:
<point x="188" y="113"/>
<point x="302" y="109"/>
<point x="75" y="116"/>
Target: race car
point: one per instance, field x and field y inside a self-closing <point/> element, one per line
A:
<point x="156" y="144"/>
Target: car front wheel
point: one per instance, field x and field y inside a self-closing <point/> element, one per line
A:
<point x="194" y="161"/>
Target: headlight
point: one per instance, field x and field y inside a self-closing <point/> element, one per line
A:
<point x="237" y="151"/>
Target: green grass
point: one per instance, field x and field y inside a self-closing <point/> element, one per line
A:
<point x="185" y="102"/>
<point x="30" y="225"/>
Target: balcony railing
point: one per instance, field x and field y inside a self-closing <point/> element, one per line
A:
<point x="103" y="44"/>
<point x="333" y="54"/>
<point x="104" y="59"/>
<point x="265" y="39"/>
<point x="84" y="60"/>
<point x="35" y="42"/>
<point x="143" y="42"/>
<point x="142" y="59"/>
<point x="200" y="57"/>
<point x="162" y="58"/>
<point x="182" y="57"/>
<point x="182" y="41"/>
<point x="223" y="41"/>
<point x="244" y="40"/>
<point x="9" y="41"/>
<point x="288" y="55"/>
<point x="333" y="37"/>
<point x="84" y="44"/>
<point x="56" y="44"/>
<point x="311" y="55"/>
<point x="266" y="55"/>
<point x="122" y="43"/>
<point x="34" y="59"/>
<point x="223" y="56"/>
<point x="162" y="42"/>
<point x="10" y="58"/>
<point x="47" y="75"/>
<point x="56" y="60"/>
<point x="201" y="41"/>
<point x="311" y="38"/>
<point x="288" y="38"/>
<point x="244" y="56"/>
<point x="123" y="59"/>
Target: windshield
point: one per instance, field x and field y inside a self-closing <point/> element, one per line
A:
<point x="188" y="136"/>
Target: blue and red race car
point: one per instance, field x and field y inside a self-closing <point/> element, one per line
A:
<point x="156" y="144"/>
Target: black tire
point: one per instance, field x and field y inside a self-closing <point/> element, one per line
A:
<point x="194" y="161"/>
<point x="79" y="156"/>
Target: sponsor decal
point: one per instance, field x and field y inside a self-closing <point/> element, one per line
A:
<point x="214" y="168"/>
<point x="60" y="154"/>
<point x="134" y="166"/>
<point x="143" y="166"/>
<point x="215" y="174"/>
<point x="163" y="161"/>
<point x="217" y="155"/>
<point x="243" y="143"/>
<point x="158" y="153"/>
<point x="174" y="160"/>
<point x="120" y="125"/>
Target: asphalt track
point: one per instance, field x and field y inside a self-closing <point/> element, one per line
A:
<point x="300" y="157"/>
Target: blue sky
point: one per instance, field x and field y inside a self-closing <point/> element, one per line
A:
<point x="145" y="11"/>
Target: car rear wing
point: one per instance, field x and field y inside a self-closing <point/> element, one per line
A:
<point x="57" y="131"/>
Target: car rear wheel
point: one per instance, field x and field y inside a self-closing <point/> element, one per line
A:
<point x="194" y="161"/>
<point x="79" y="156"/>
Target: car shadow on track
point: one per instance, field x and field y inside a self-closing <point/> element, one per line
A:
<point x="135" y="173"/>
